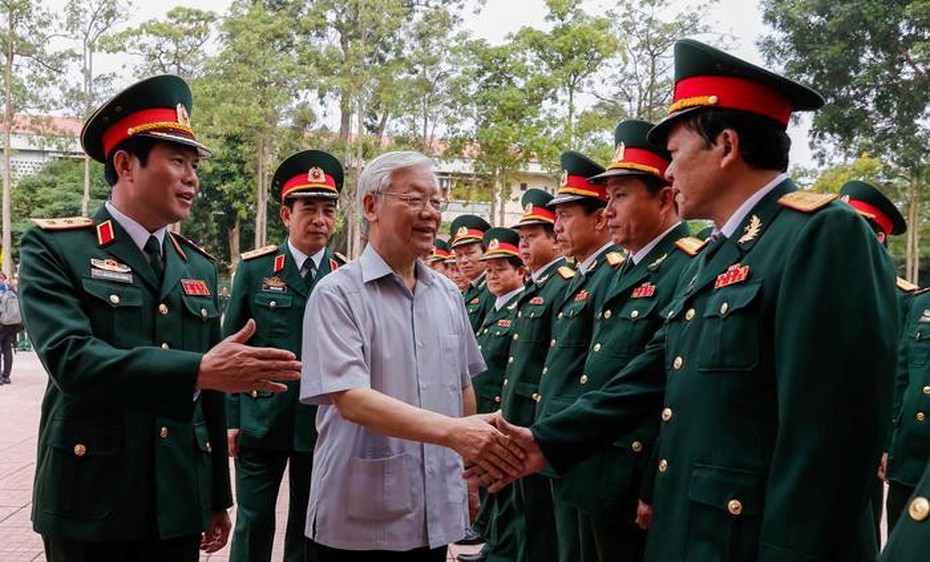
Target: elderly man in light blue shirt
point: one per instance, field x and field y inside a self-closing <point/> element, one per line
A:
<point x="388" y="355"/>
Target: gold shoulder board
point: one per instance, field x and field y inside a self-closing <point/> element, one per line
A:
<point x="67" y="223"/>
<point x="806" y="201"/>
<point x="906" y="285"/>
<point x="691" y="245"/>
<point x="566" y="272"/>
<point x="615" y="259"/>
<point x="341" y="258"/>
<point x="258" y="252"/>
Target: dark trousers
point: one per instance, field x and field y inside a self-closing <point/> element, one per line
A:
<point x="258" y="479"/>
<point x="572" y="547"/>
<point x="319" y="553"/>
<point x="533" y="499"/>
<point x="7" y="337"/>
<point x="181" y="549"/>
<point x="898" y="495"/>
<point x="616" y="539"/>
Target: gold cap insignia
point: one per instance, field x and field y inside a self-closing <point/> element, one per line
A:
<point x="462" y="231"/>
<point x="183" y="117"/>
<point x="494" y="244"/>
<point x="618" y="154"/>
<point x="316" y="174"/>
<point x="845" y="199"/>
<point x="528" y="209"/>
<point x="564" y="178"/>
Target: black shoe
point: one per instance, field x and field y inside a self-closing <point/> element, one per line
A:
<point x="476" y="557"/>
<point x="471" y="537"/>
<point x="4" y="381"/>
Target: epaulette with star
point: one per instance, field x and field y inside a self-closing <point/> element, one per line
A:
<point x="921" y="291"/>
<point x="806" y="201"/>
<point x="906" y="285"/>
<point x="258" y="252"/>
<point x="691" y="245"/>
<point x="187" y="241"/>
<point x="614" y="259"/>
<point x="566" y="272"/>
<point x="66" y="223"/>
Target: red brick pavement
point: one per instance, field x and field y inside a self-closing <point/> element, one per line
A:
<point x="19" y="420"/>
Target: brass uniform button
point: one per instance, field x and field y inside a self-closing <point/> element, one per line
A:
<point x="597" y="347"/>
<point x="516" y="337"/>
<point x="561" y="315"/>
<point x="663" y="465"/>
<point x="919" y="508"/>
<point x="678" y="363"/>
<point x="208" y="447"/>
<point x="636" y="446"/>
<point x="921" y="416"/>
<point x="163" y="432"/>
<point x="203" y="312"/>
<point x="80" y="450"/>
<point x="690" y="314"/>
<point x="519" y="314"/>
<point x="735" y="507"/>
<point x="485" y="331"/>
<point x="510" y="359"/>
<point x="607" y="314"/>
<point x="272" y="304"/>
<point x="583" y="379"/>
<point x="666" y="414"/>
<point x="165" y="346"/>
<point x="552" y="343"/>
<point x="536" y="396"/>
<point x="479" y="348"/>
<point x="634" y="315"/>
<point x="505" y="382"/>
<point x="254" y="394"/>
<point x="927" y="390"/>
<point x="724" y="308"/>
<point x="545" y="370"/>
<point x="114" y="299"/>
<point x="497" y="399"/>
<point x="163" y="309"/>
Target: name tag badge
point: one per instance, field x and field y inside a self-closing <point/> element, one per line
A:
<point x="111" y="275"/>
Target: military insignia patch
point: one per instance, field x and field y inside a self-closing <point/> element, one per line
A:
<point x="110" y="265"/>
<point x="734" y="274"/>
<point x="316" y="175"/>
<point x="582" y="295"/>
<point x="274" y="285"/>
<point x="105" y="234"/>
<point x="195" y="288"/>
<point x="333" y="265"/>
<point x="619" y="153"/>
<point x="906" y="285"/>
<point x="109" y="275"/>
<point x="655" y="265"/>
<point x="924" y="316"/>
<point x="566" y="272"/>
<point x="183" y="117"/>
<point x="806" y="201"/>
<point x="494" y="244"/>
<point x="615" y="258"/>
<point x="644" y="291"/>
<point x="752" y="230"/>
<point x="503" y="323"/>
<point x="279" y="263"/>
<point x="67" y="223"/>
<point x="537" y="300"/>
<point x="691" y="245"/>
<point x="475" y="300"/>
<point x="563" y="179"/>
<point x="462" y="231"/>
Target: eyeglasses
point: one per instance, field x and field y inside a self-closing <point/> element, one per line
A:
<point x="416" y="203"/>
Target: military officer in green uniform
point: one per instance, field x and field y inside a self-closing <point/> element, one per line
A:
<point x="643" y="219"/>
<point x="132" y="462"/>
<point x="909" y="540"/>
<point x="530" y="499"/>
<point x="773" y="370"/>
<point x="505" y="274"/>
<point x="437" y="258"/>
<point x="269" y="432"/>
<point x="467" y="232"/>
<point x="581" y="229"/>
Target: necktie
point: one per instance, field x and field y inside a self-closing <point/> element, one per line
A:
<point x="153" y="252"/>
<point x="308" y="271"/>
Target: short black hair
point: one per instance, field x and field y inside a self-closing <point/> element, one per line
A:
<point x="140" y="147"/>
<point x="516" y="262"/>
<point x="764" y="143"/>
<point x="589" y="206"/>
<point x="289" y="201"/>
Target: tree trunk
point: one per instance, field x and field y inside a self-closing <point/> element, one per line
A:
<point x="232" y="235"/>
<point x="912" y="253"/>
<point x="355" y="239"/>
<point x="88" y="92"/>
<point x="261" y="200"/>
<point x="8" y="115"/>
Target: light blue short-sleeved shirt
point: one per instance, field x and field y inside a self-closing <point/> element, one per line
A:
<point x="364" y="329"/>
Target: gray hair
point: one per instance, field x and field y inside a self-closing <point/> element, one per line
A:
<point x="379" y="173"/>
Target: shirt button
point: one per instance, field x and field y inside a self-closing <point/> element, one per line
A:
<point x="735" y="507"/>
<point x="165" y="346"/>
<point x="80" y="450"/>
<point x="163" y="432"/>
<point x="724" y="308"/>
<point x="666" y="414"/>
<point x="597" y="347"/>
<point x="663" y="465"/>
<point x="608" y="314"/>
<point x="918" y="509"/>
<point x="678" y="363"/>
<point x="163" y="309"/>
<point x="583" y="379"/>
<point x="634" y="315"/>
<point x="636" y="446"/>
<point x="690" y="314"/>
<point x="114" y="299"/>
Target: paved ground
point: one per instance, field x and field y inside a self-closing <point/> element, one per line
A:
<point x="19" y="420"/>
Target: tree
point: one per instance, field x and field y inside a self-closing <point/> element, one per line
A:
<point x="31" y="72"/>
<point x="88" y="21"/>
<point x="871" y="60"/>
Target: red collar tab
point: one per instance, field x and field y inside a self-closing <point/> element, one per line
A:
<point x="279" y="263"/>
<point x="315" y="178"/>
<point x="730" y="92"/>
<point x="105" y="233"/>
<point x="872" y="212"/>
<point x="640" y="159"/>
<point x="579" y="185"/>
<point x="163" y="120"/>
<point x="177" y="246"/>
<point x="333" y="264"/>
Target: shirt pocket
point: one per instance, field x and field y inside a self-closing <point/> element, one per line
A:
<point x="380" y="489"/>
<point x="730" y="331"/>
<point x="200" y="313"/>
<point x="115" y="311"/>
<point x="272" y="312"/>
<point x="632" y="325"/>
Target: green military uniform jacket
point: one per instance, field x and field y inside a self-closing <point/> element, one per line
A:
<point x="478" y="301"/>
<point x="563" y="378"/>
<point x="609" y="482"/>
<point x="269" y="288"/>
<point x="531" y="337"/>
<point x="779" y="373"/>
<point x="494" y="337"/>
<point x="909" y="541"/>
<point x="127" y="449"/>
<point x="910" y="440"/>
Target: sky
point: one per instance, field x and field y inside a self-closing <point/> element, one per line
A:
<point x="741" y="20"/>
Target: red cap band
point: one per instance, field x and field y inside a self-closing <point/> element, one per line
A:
<point x="163" y="120"/>
<point x="578" y="185"/>
<point x="730" y="92"/>
<point x="464" y="234"/>
<point x="501" y="248"/>
<point x="880" y="218"/>
<point x="307" y="181"/>
<point x="642" y="160"/>
<point x="538" y="213"/>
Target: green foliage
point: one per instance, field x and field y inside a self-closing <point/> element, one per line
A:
<point x="55" y="191"/>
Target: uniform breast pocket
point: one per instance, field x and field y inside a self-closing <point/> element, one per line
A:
<point x="730" y="331"/>
<point x="918" y="345"/>
<point x="632" y="327"/>
<point x="726" y="509"/>
<point x="272" y="314"/>
<point x="115" y="311"/>
<point x="573" y="324"/>
<point x="199" y="314"/>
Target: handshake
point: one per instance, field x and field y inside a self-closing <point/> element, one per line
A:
<point x="495" y="451"/>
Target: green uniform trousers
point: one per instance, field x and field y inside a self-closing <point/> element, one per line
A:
<point x="258" y="478"/>
<point x="180" y="549"/>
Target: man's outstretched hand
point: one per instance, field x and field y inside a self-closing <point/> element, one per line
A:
<point x="533" y="459"/>
<point x="481" y="443"/>
<point x="233" y="366"/>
